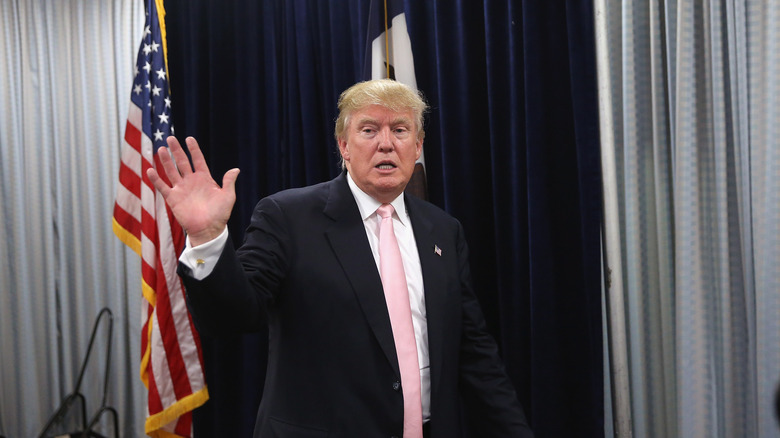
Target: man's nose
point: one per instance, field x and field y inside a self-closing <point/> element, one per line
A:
<point x="385" y="139"/>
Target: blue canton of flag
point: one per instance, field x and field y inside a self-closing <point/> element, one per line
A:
<point x="150" y="87"/>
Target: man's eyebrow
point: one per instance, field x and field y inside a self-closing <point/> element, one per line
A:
<point x="366" y="121"/>
<point x="401" y="121"/>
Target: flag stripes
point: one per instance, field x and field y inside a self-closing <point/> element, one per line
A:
<point x="171" y="359"/>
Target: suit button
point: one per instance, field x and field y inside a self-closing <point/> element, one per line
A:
<point x="396" y="385"/>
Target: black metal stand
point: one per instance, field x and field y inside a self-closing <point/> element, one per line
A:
<point x="76" y="396"/>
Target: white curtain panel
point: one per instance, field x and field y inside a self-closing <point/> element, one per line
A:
<point x="690" y="122"/>
<point x="65" y="76"/>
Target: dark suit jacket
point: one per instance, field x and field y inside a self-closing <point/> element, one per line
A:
<point x="307" y="271"/>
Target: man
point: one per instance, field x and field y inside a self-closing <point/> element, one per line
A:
<point x="374" y="330"/>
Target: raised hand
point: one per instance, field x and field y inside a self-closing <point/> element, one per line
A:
<point x="200" y="205"/>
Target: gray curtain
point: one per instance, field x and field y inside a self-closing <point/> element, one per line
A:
<point x="65" y="76"/>
<point x="690" y="117"/>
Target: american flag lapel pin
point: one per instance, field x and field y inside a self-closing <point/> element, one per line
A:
<point x="437" y="250"/>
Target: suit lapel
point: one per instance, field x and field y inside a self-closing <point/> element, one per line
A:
<point x="433" y="279"/>
<point x="347" y="237"/>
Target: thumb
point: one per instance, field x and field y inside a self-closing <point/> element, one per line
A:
<point x="229" y="180"/>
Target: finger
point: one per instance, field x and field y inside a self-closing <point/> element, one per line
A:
<point x="179" y="156"/>
<point x="168" y="166"/>
<point x="158" y="183"/>
<point x="173" y="142"/>
<point x="229" y="180"/>
<point x="198" y="160"/>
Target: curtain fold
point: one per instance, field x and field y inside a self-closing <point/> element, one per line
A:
<point x="511" y="150"/>
<point x="65" y="75"/>
<point x="685" y="92"/>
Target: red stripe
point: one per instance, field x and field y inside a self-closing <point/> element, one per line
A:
<point x="178" y="236"/>
<point x="129" y="179"/>
<point x="149" y="274"/>
<point x="149" y="227"/>
<point x="133" y="136"/>
<point x="127" y="221"/>
<point x="163" y="175"/>
<point x="183" y="426"/>
<point x="153" y="398"/>
<point x="195" y="335"/>
<point x="177" y="232"/>
<point x="176" y="365"/>
<point x="155" y="404"/>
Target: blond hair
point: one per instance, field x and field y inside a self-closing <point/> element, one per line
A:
<point x="388" y="93"/>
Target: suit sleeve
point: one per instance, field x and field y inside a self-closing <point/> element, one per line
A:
<point x="487" y="391"/>
<point x="241" y="290"/>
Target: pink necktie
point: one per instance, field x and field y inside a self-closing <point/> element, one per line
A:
<point x="391" y="269"/>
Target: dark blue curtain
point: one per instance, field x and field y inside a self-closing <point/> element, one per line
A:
<point x="511" y="150"/>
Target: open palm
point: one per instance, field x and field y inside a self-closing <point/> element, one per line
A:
<point x="200" y="205"/>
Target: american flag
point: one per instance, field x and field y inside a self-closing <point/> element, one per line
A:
<point x="171" y="359"/>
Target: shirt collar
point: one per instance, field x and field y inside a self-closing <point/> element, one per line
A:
<point x="368" y="205"/>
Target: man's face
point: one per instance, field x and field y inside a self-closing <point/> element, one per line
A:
<point x="380" y="148"/>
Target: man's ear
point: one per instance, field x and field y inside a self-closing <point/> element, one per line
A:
<point x="343" y="149"/>
<point x="419" y="149"/>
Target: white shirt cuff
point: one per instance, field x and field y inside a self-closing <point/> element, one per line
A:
<point x="202" y="258"/>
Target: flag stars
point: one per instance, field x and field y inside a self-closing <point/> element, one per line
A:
<point x="151" y="86"/>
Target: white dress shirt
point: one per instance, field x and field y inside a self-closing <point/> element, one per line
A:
<point x="202" y="259"/>
<point x="402" y="226"/>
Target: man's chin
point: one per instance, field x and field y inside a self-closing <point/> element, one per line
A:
<point x="387" y="191"/>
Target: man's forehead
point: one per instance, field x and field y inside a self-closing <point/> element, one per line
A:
<point x="395" y="120"/>
<point x="374" y="113"/>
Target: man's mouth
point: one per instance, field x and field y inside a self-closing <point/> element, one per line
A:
<point x="385" y="166"/>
